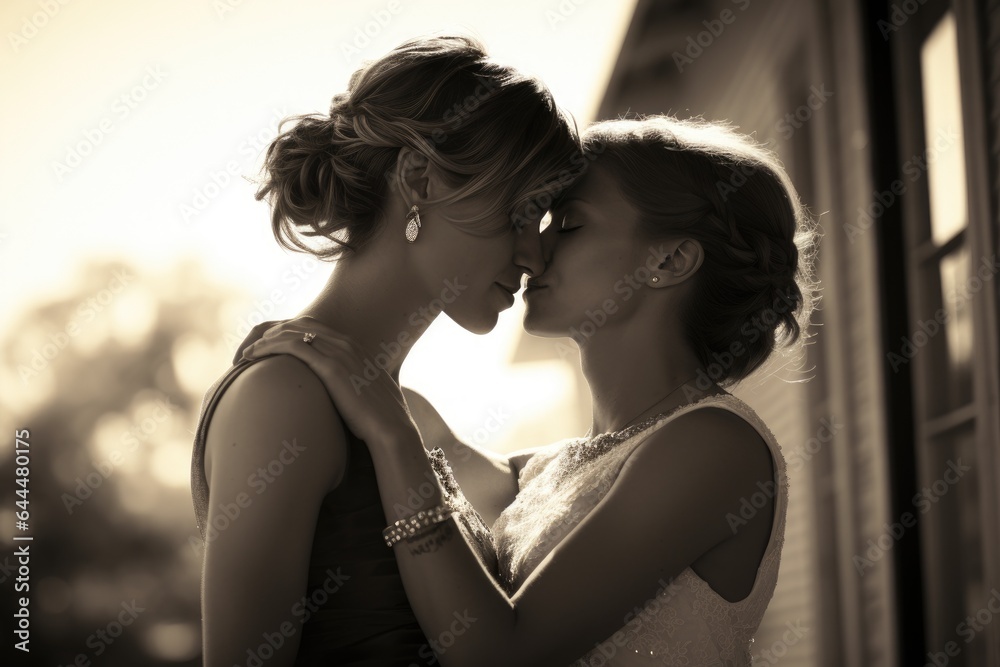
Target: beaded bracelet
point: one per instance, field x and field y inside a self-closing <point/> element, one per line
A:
<point x="417" y="523"/>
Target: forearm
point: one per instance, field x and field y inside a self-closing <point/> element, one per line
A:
<point x="487" y="478"/>
<point x="449" y="589"/>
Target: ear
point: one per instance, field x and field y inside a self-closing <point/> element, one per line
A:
<point x="411" y="175"/>
<point x="419" y="179"/>
<point x="676" y="262"/>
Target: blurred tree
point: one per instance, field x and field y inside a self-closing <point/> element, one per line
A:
<point x="109" y="379"/>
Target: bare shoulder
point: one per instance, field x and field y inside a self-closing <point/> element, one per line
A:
<point x="716" y="437"/>
<point x="719" y="451"/>
<point x="721" y="428"/>
<point x="276" y="406"/>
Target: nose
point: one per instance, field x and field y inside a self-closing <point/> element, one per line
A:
<point x="528" y="250"/>
<point x="548" y="243"/>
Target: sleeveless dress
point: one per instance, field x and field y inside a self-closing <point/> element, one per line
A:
<point x="687" y="622"/>
<point x="367" y="621"/>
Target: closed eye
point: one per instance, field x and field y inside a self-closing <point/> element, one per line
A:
<point x="564" y="226"/>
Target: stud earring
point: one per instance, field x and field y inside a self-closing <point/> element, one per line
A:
<point x="413" y="224"/>
<point x="654" y="279"/>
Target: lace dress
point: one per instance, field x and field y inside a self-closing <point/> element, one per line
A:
<point x="468" y="518"/>
<point x="687" y="623"/>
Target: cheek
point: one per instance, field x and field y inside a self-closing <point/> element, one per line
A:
<point x="474" y="259"/>
<point x="590" y="268"/>
<point x="585" y="279"/>
<point x="474" y="266"/>
<point x="485" y="258"/>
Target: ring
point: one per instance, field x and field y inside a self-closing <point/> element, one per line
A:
<point x="308" y="337"/>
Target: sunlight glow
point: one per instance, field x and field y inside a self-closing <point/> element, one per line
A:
<point x="140" y="144"/>
<point x="133" y="316"/>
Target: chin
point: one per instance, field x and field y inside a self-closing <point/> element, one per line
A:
<point x="480" y="323"/>
<point x="535" y="324"/>
<point x="542" y="315"/>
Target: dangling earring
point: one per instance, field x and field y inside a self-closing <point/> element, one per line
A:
<point x="413" y="224"/>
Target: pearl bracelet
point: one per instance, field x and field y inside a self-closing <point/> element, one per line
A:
<point x="417" y="523"/>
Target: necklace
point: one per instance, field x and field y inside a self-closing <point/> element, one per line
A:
<point x="645" y="409"/>
<point x="589" y="448"/>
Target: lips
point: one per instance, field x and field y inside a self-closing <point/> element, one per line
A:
<point x="512" y="290"/>
<point x="508" y="293"/>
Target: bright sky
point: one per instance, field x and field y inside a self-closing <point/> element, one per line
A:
<point x="119" y="114"/>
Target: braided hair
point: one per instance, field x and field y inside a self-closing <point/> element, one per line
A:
<point x="704" y="181"/>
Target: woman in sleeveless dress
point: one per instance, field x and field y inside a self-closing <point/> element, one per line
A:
<point x="416" y="184"/>
<point x="680" y="262"/>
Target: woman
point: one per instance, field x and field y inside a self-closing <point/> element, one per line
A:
<point x="417" y="187"/>
<point x="633" y="547"/>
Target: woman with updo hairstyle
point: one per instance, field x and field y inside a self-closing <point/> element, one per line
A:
<point x="426" y="182"/>
<point x="680" y="262"/>
<point x="720" y="190"/>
